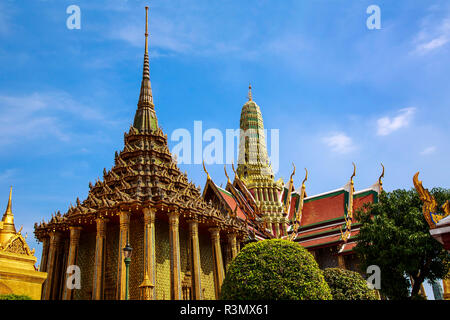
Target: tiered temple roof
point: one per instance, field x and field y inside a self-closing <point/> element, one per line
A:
<point x="144" y="175"/>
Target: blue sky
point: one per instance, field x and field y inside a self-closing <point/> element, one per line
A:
<point x="337" y="91"/>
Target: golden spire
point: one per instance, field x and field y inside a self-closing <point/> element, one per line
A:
<point x="8" y="218"/>
<point x="250" y="92"/>
<point x="146" y="30"/>
<point x="146" y="98"/>
<point x="145" y="118"/>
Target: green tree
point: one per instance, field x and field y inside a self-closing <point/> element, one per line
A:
<point x="347" y="285"/>
<point x="395" y="236"/>
<point x="274" y="270"/>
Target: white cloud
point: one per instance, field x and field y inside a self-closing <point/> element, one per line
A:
<point x="428" y="150"/>
<point x="432" y="36"/>
<point x="45" y="114"/>
<point x="433" y="44"/>
<point x="339" y="143"/>
<point x="387" y="125"/>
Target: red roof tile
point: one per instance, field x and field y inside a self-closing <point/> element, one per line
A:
<point x="323" y="208"/>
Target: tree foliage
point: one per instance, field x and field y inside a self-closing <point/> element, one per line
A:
<point x="274" y="270"/>
<point x="395" y="236"/>
<point x="347" y="285"/>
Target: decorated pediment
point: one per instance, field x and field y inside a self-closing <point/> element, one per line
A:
<point x="17" y="245"/>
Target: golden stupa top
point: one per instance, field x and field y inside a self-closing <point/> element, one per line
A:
<point x="7" y="224"/>
<point x="8" y="233"/>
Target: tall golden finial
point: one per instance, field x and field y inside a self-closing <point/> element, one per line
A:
<point x="146" y="29"/>
<point x="232" y="167"/>
<point x="145" y="96"/>
<point x="206" y="171"/>
<point x="293" y="172"/>
<point x="289" y="192"/>
<point x="380" y="182"/>
<point x="250" y="92"/>
<point x="353" y="174"/>
<point x="306" y="178"/>
<point x="298" y="213"/>
<point x="8" y="217"/>
<point x="8" y="208"/>
<point x="226" y="174"/>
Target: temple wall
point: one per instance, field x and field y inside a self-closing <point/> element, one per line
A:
<point x="162" y="248"/>
<point x="86" y="261"/>
<point x="185" y="252"/>
<point x="207" y="267"/>
<point x="137" y="259"/>
<point x="326" y="258"/>
<point x="352" y="262"/>
<point x="111" y="261"/>
<point x="61" y="269"/>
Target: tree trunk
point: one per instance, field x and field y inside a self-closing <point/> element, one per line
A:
<point x="417" y="282"/>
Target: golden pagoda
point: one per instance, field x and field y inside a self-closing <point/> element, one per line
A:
<point x="18" y="274"/>
<point x="255" y="171"/>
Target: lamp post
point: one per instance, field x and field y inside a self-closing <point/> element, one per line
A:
<point x="127" y="254"/>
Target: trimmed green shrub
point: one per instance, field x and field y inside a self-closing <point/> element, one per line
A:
<point x="347" y="285"/>
<point x="12" y="296"/>
<point x="274" y="270"/>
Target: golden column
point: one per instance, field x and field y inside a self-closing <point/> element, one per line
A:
<point x="44" y="261"/>
<point x="175" y="265"/>
<point x="284" y="227"/>
<point x="218" y="262"/>
<point x="233" y="245"/>
<point x="270" y="225"/>
<point x="196" y="272"/>
<point x="148" y="285"/>
<point x="341" y="262"/>
<point x="100" y="239"/>
<point x="55" y="238"/>
<point x="446" y="283"/>
<point x="45" y="246"/>
<point x="71" y="259"/>
<point x="266" y="194"/>
<point x="277" y="228"/>
<point x="238" y="244"/>
<point x="121" y="270"/>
